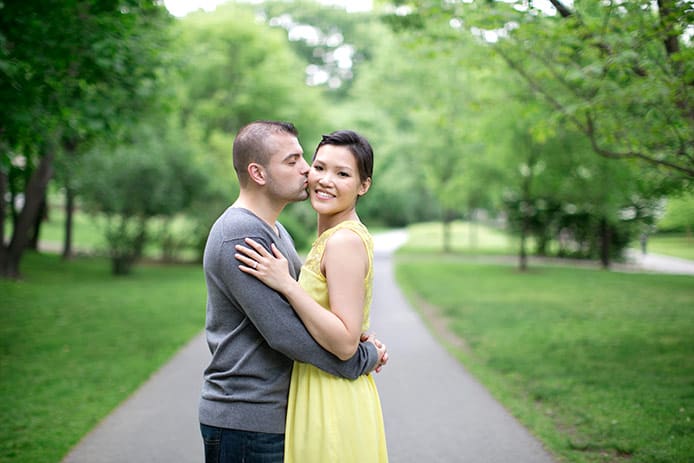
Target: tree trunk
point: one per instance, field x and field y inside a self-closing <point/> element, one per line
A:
<point x="447" y="219"/>
<point x="3" y="191"/>
<point x="35" y="191"/>
<point x="605" y="239"/>
<point x="70" y="149"/>
<point x="36" y="229"/>
<point x="522" y="252"/>
<point x="69" y="211"/>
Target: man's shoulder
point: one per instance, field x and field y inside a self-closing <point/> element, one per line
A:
<point x="239" y="223"/>
<point x="238" y="220"/>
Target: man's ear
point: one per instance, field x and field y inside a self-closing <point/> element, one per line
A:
<point x="364" y="187"/>
<point x="256" y="172"/>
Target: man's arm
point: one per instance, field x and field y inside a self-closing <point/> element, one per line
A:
<point x="279" y="325"/>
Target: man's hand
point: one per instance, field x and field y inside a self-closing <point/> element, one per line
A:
<point x="380" y="347"/>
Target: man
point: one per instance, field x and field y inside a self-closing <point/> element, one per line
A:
<point x="252" y="332"/>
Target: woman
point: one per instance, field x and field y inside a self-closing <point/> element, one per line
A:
<point x="330" y="419"/>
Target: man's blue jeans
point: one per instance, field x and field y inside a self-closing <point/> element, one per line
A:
<point x="234" y="446"/>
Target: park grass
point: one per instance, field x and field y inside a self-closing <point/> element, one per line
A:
<point x="466" y="238"/>
<point x="597" y="364"/>
<point x="676" y="245"/>
<point x="482" y="239"/>
<point x="87" y="230"/>
<point x="76" y="341"/>
<point x="89" y="234"/>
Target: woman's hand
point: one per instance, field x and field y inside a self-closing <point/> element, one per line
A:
<point x="380" y="348"/>
<point x="273" y="270"/>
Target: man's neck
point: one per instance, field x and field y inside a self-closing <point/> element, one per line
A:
<point x="260" y="205"/>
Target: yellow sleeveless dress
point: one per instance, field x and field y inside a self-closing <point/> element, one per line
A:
<point x="331" y="419"/>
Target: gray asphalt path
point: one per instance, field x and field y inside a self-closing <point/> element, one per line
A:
<point x="433" y="409"/>
<point x="157" y="424"/>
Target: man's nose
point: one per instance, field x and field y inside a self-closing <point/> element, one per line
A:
<point x="304" y="167"/>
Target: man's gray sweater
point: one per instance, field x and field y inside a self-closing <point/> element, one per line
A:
<point x="254" y="334"/>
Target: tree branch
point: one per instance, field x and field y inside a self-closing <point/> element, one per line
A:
<point x="561" y="8"/>
<point x="591" y="132"/>
<point x="588" y="128"/>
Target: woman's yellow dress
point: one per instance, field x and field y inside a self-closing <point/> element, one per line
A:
<point x="331" y="419"/>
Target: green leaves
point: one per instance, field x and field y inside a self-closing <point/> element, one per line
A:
<point x="154" y="176"/>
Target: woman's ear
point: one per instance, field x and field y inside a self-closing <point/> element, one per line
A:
<point x="364" y="187"/>
<point x="256" y="172"/>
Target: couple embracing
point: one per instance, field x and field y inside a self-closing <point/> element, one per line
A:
<point x="290" y="374"/>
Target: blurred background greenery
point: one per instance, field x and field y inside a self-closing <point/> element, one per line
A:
<point x="568" y="127"/>
<point x="526" y="128"/>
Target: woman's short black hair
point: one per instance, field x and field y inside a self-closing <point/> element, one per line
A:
<point x="357" y="145"/>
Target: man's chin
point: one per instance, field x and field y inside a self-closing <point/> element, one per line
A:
<point x="302" y="197"/>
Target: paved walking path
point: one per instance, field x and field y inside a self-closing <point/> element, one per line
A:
<point x="433" y="409"/>
<point x="659" y="263"/>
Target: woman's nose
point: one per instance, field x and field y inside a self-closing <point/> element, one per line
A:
<point x="324" y="178"/>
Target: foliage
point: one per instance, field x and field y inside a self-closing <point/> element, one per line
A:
<point x="594" y="363"/>
<point x="230" y="75"/>
<point x="421" y="120"/>
<point x="70" y="71"/>
<point x="556" y="191"/>
<point x="620" y="72"/>
<point x="679" y="214"/>
<point x="74" y="343"/>
<point x="151" y="177"/>
<point x="334" y="44"/>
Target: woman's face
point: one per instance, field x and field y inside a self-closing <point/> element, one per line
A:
<point x="333" y="180"/>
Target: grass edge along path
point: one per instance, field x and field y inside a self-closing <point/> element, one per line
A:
<point x="596" y="364"/>
<point x="76" y="341"/>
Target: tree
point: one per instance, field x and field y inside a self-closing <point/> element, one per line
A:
<point x="333" y="42"/>
<point x="69" y="70"/>
<point x="423" y="120"/>
<point x="231" y="74"/>
<point x="620" y="72"/>
<point x="154" y="176"/>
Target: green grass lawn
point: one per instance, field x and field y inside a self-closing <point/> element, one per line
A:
<point x="599" y="365"/>
<point x="76" y="341"/>
<point x="466" y="238"/>
<point x="594" y="362"/>
<point x="672" y="245"/>
<point x="89" y="231"/>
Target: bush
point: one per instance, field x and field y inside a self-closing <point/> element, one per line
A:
<point x="134" y="183"/>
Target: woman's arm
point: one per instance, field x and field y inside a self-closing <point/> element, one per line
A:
<point x="345" y="265"/>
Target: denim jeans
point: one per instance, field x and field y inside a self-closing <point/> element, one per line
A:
<point x="234" y="446"/>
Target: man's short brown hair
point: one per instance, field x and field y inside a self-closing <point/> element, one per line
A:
<point x="251" y="145"/>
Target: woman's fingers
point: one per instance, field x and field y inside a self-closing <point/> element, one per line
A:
<point x="256" y="254"/>
<point x="257" y="246"/>
<point x="247" y="261"/>
<point x="247" y="251"/>
<point x="276" y="251"/>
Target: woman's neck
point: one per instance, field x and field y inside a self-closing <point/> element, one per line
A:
<point x="326" y="222"/>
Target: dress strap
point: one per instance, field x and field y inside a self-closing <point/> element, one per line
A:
<point x="355" y="226"/>
<point x="314" y="258"/>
